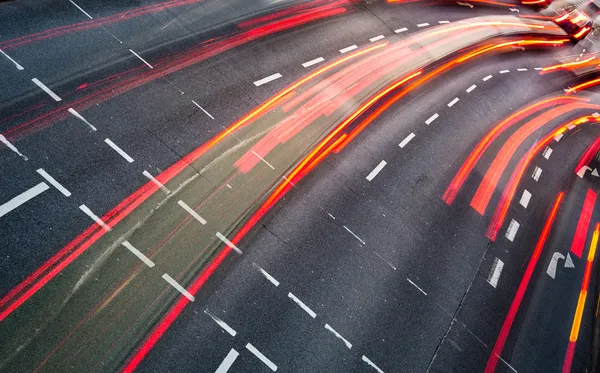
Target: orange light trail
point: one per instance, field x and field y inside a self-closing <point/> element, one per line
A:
<point x="570" y="64"/>
<point x="584" y="85"/>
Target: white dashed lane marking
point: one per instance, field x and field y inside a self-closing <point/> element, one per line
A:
<point x="495" y="272"/>
<point x="23" y="198"/>
<point x="178" y="287"/>
<point x="415" y="285"/>
<point x="192" y="212"/>
<point x="376" y="170"/>
<point x="522" y="69"/>
<point x="228" y="361"/>
<point x="355" y="236"/>
<point x="120" y="151"/>
<point x="221" y="323"/>
<point x="406" y="140"/>
<point x="485" y="79"/>
<point x="261" y="357"/>
<point x="268" y="79"/>
<point x="471" y="88"/>
<point x="156" y="182"/>
<point x="512" y="230"/>
<point x="17" y="65"/>
<point x="228" y="243"/>
<point x="423" y="25"/>
<point x="338" y="335"/>
<point x="313" y="62"/>
<point x="400" y="30"/>
<point x="80" y="117"/>
<point x="9" y="145"/>
<point x="138" y="253"/>
<point x="201" y="108"/>
<point x="537" y="172"/>
<point x="453" y="102"/>
<point x="53" y="182"/>
<point x="376" y="38"/>
<point x="302" y="305"/>
<point x="504" y="71"/>
<point x="372" y="364"/>
<point x="266" y="274"/>
<point x="83" y="11"/>
<point x="141" y="59"/>
<point x="443" y="22"/>
<point x="46" y="89"/>
<point x="348" y="49"/>
<point x="525" y="198"/>
<point x="547" y="152"/>
<point x="94" y="217"/>
<point x="432" y="118"/>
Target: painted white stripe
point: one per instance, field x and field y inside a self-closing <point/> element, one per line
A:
<point x="348" y="49"/>
<point x="94" y="217"/>
<point x="507" y="364"/>
<point x="376" y="170"/>
<point x="407" y="140"/>
<point x="525" y="198"/>
<point x="415" y="285"/>
<point x="570" y="126"/>
<point x="512" y="230"/>
<point x="205" y="112"/>
<point x="487" y="78"/>
<point x="471" y="88"/>
<point x="302" y="305"/>
<point x="221" y="323"/>
<point x="267" y="275"/>
<point x="268" y="79"/>
<point x="522" y="69"/>
<point x="262" y="357"/>
<point x="372" y="364"/>
<point x="514" y="10"/>
<point x="331" y="216"/>
<point x="355" y="236"/>
<point x="432" y="118"/>
<point x="504" y="71"/>
<point x="83" y="11"/>
<point x="596" y="114"/>
<point x="227" y="362"/>
<point x="192" y="212"/>
<point x="78" y="116"/>
<point x="46" y="89"/>
<point x="54" y="183"/>
<point x="558" y="137"/>
<point x="537" y="172"/>
<point x="262" y="159"/>
<point x="495" y="272"/>
<point x="443" y="22"/>
<point x="228" y="243"/>
<point x="19" y="67"/>
<point x="423" y="24"/>
<point x="382" y="258"/>
<point x="138" y="253"/>
<point x="338" y="335"/>
<point x="22" y="198"/>
<point x="547" y="152"/>
<point x="378" y="37"/>
<point x="178" y="287"/>
<point x="155" y="181"/>
<point x="451" y="103"/>
<point x="141" y="59"/>
<point x="538" y="68"/>
<point x="12" y="147"/>
<point x="313" y="62"/>
<point x="400" y="30"/>
<point x="118" y="150"/>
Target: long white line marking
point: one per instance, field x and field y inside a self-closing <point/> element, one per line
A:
<point x="525" y="198"/>
<point x="376" y="170"/>
<point x="406" y="140"/>
<point x="205" y="112"/>
<point x="155" y="181"/>
<point x="537" y="172"/>
<point x="22" y="198"/>
<point x="141" y="59"/>
<point x="221" y="323"/>
<point x="400" y="30"/>
<point x="485" y="79"/>
<point x="83" y="11"/>
<point x="443" y="22"/>
<point x="118" y="150"/>
<point x="372" y="364"/>
<point x="268" y="79"/>
<point x="192" y="212"/>
<point x="547" y="152"/>
<point x="302" y="305"/>
<point x="227" y="362"/>
<point x="522" y="69"/>
<point x="378" y="37"/>
<point x="94" y="217"/>
<point x="228" y="243"/>
<point x="262" y="159"/>
<point x="138" y="253"/>
<point x="423" y="24"/>
<point x="262" y="357"/>
<point x="495" y="272"/>
<point x="504" y="71"/>
<point x="54" y="183"/>
<point x="338" y="335"/>
<point x="451" y="103"/>
<point x="267" y="275"/>
<point x="19" y="67"/>
<point x="471" y="88"/>
<point x="512" y="230"/>
<point x="348" y="49"/>
<point x="46" y="89"/>
<point x="12" y="147"/>
<point x="355" y="236"/>
<point x="78" y="116"/>
<point x="178" y="287"/>
<point x="313" y="62"/>
<point x="415" y="285"/>
<point x="432" y="118"/>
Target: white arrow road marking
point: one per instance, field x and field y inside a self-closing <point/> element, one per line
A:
<point x="595" y="172"/>
<point x="569" y="262"/>
<point x="551" y="271"/>
<point x="582" y="170"/>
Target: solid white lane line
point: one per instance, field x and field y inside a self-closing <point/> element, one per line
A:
<point x="443" y="22"/>
<point x="432" y="118"/>
<point x="46" y="89"/>
<point x="504" y="71"/>
<point x="537" y="172"/>
<point x="267" y="275"/>
<point x="228" y="243"/>
<point x="512" y="230"/>
<point x="22" y="198"/>
<point x="400" y="30"/>
<point x="406" y="140"/>
<point x="83" y="11"/>
<point x="547" y="152"/>
<point x="558" y="137"/>
<point x="141" y="59"/>
<point x="138" y="253"/>
<point x="495" y="272"/>
<point x="372" y="364"/>
<point x="525" y="198"/>
<point x="415" y="285"/>
<point x="471" y="88"/>
<point x="54" y="183"/>
<point x="268" y="79"/>
<point x="262" y="159"/>
<point x="522" y="69"/>
<point x="348" y="49"/>
<point x="178" y="287"/>
<point x="487" y="78"/>
<point x="94" y="217"/>
<point x="376" y="170"/>
<point x="302" y="305"/>
<point x="201" y="108"/>
<point x="78" y="116"/>
<point x="313" y="62"/>
<point x="19" y="67"/>
<point x="423" y="24"/>
<point x="451" y="103"/>
<point x="155" y="181"/>
<point x="227" y="362"/>
<point x="12" y="147"/>
<point x="355" y="236"/>
<point x="262" y="357"/>
<point x="118" y="150"/>
<point x="378" y="37"/>
<point x="221" y="323"/>
<point x="192" y="212"/>
<point x="338" y="335"/>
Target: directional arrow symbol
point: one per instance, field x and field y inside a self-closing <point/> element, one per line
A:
<point x="569" y="262"/>
<point x="582" y="170"/>
<point x="595" y="172"/>
<point x="551" y="271"/>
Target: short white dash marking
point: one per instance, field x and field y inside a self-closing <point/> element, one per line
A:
<point x="228" y="243"/>
<point x="570" y="126"/>
<point x="138" y="253"/>
<point x="525" y="198"/>
<point x="348" y="49"/>
<point x="415" y="285"/>
<point x="547" y="152"/>
<point x="504" y="71"/>
<point x="388" y="263"/>
<point x="178" y="287"/>
<point x="514" y="10"/>
<point x="485" y="79"/>
<point x="118" y="150"/>
<point x="141" y="59"/>
<point x="83" y="11"/>
<point x="423" y="25"/>
<point x="201" y="108"/>
<point x="156" y="182"/>
<point x="268" y="79"/>
<point x="262" y="159"/>
<point x="46" y="89"/>
<point x="376" y="170"/>
<point x="471" y="88"/>
<point x="94" y="217"/>
<point x="537" y="172"/>
<point x="302" y="305"/>
<point x="522" y="69"/>
<point x="262" y="357"/>
<point x="221" y="323"/>
<point x="355" y="236"/>
<point x="54" y="183"/>
<point x="407" y="140"/>
<point x="228" y="361"/>
<point x="538" y="68"/>
<point x="338" y="335"/>
<point x="495" y="272"/>
<point x="378" y="37"/>
<point x="507" y="364"/>
<point x="443" y="22"/>
<point x="372" y="364"/>
<point x="331" y="216"/>
<point x="596" y="114"/>
<point x="432" y="118"/>
<point x="451" y="103"/>
<point x="313" y="62"/>
<point x="22" y="198"/>
<point x="9" y="145"/>
<point x="512" y="230"/>
<point x="19" y="67"/>
<point x="78" y="116"/>
<point x="266" y="274"/>
<point x="558" y="137"/>
<point x="191" y="211"/>
<point x="400" y="30"/>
